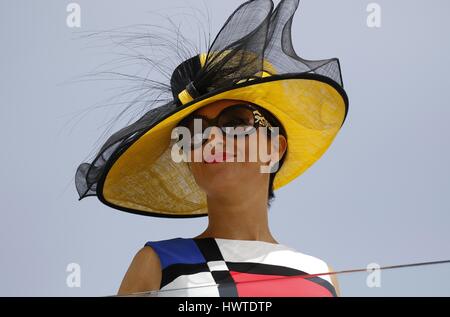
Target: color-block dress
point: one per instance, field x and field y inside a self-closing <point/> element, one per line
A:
<point x="216" y="267"/>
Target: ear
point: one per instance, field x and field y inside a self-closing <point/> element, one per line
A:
<point x="280" y="147"/>
<point x="278" y="150"/>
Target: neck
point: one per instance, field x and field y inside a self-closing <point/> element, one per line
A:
<point x="241" y="216"/>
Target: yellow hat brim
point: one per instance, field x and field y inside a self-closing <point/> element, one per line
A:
<point x="145" y="180"/>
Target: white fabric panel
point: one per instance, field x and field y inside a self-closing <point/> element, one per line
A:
<point x="217" y="266"/>
<point x="195" y="285"/>
<point x="271" y="253"/>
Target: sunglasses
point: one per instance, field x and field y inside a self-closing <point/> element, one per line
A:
<point x="236" y="121"/>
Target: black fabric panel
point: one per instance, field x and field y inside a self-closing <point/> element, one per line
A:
<point x="175" y="270"/>
<point x="227" y="287"/>
<point x="209" y="248"/>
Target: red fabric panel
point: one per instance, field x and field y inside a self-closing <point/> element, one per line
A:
<point x="254" y="285"/>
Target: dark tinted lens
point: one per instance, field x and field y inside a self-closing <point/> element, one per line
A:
<point x="239" y="118"/>
<point x="196" y="132"/>
<point x="236" y="116"/>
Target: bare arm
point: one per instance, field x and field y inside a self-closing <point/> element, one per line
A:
<point x="144" y="273"/>
<point x="334" y="281"/>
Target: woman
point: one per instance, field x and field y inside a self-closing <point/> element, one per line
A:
<point x="237" y="197"/>
<point x="249" y="86"/>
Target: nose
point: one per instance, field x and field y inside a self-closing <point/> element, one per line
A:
<point x="215" y="137"/>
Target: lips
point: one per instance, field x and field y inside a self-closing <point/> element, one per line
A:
<point x="218" y="157"/>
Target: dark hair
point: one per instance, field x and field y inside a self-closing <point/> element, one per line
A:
<point x="275" y="123"/>
<point x="271" y="195"/>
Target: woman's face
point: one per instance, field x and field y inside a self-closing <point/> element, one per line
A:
<point x="216" y="176"/>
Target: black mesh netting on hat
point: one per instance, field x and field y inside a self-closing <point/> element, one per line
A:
<point x="256" y="38"/>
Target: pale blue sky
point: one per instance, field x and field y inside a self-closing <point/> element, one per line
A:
<point x="379" y="194"/>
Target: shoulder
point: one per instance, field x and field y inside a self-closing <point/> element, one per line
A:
<point x="145" y="257"/>
<point x="304" y="261"/>
<point x="325" y="267"/>
<point x="143" y="274"/>
<point x="316" y="265"/>
<point x="334" y="281"/>
<point x="322" y="266"/>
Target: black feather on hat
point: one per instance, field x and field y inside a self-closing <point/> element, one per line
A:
<point x="251" y="59"/>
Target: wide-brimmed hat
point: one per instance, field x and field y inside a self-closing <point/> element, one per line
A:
<point x="252" y="59"/>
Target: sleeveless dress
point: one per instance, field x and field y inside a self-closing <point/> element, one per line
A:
<point x="214" y="267"/>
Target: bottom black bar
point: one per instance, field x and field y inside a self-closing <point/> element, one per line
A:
<point x="212" y="306"/>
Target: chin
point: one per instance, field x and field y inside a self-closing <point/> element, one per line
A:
<point x="220" y="177"/>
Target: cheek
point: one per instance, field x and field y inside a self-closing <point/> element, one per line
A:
<point x="256" y="149"/>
